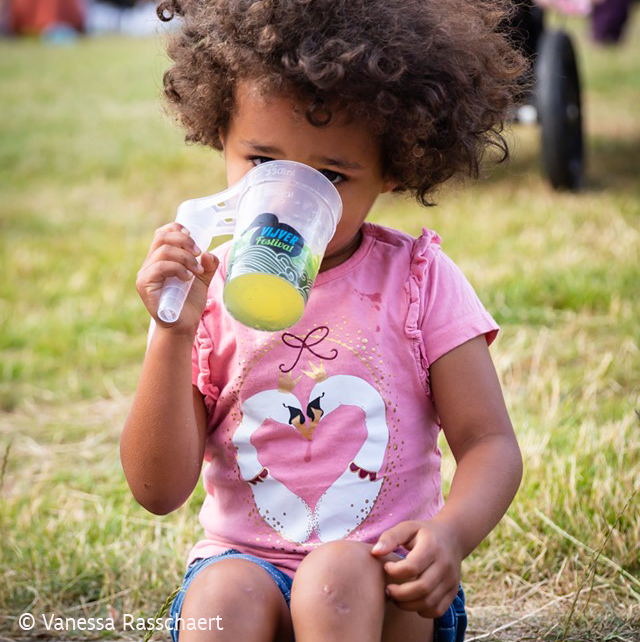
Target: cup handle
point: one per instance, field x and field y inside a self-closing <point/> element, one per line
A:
<point x="210" y="216"/>
<point x="224" y="204"/>
<point x="205" y="218"/>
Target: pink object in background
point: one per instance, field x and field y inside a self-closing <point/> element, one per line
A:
<point x="35" y="17"/>
<point x="568" y="7"/>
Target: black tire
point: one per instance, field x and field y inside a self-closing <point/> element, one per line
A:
<point x="560" y="111"/>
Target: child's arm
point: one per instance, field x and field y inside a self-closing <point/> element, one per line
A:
<point x="475" y="421"/>
<point x="162" y="443"/>
<point x="476" y="424"/>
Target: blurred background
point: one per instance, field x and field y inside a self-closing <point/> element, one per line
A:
<point x="91" y="165"/>
<point x="65" y="20"/>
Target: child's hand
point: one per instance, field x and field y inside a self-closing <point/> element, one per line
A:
<point x="428" y="578"/>
<point x="173" y="253"/>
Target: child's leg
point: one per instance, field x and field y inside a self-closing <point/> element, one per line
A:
<point x="250" y="604"/>
<point x="338" y="594"/>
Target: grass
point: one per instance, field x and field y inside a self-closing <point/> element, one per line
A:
<point x="89" y="167"/>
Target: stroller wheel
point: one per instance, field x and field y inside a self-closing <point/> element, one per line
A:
<point x="559" y="110"/>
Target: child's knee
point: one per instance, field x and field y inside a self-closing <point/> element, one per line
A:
<point x="341" y="575"/>
<point x="233" y="589"/>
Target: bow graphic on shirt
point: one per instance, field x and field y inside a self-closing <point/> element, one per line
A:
<point x="293" y="341"/>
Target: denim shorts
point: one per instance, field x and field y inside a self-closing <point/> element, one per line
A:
<point x="449" y="627"/>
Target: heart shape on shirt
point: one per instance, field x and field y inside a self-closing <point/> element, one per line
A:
<point x="277" y="460"/>
<point x="309" y="467"/>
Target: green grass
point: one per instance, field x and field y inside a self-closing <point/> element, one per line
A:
<point x="89" y="167"/>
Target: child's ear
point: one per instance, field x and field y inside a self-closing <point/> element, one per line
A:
<point x="388" y="185"/>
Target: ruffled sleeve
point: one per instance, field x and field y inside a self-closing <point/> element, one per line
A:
<point x="444" y="310"/>
<point x="200" y="363"/>
<point x="201" y="367"/>
<point x="203" y="353"/>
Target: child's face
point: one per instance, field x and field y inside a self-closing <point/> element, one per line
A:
<point x="348" y="154"/>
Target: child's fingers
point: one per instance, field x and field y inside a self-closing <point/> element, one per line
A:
<point x="209" y="264"/>
<point x="409" y="592"/>
<point x="161" y="270"/>
<point x="383" y="559"/>
<point x="402" y="534"/>
<point x="172" y="227"/>
<point x="418" y="586"/>
<point x="428" y="604"/>
<point x="174" y="239"/>
<point x="170" y="235"/>
<point x="416" y="562"/>
<point x="444" y="603"/>
<point x="177" y="255"/>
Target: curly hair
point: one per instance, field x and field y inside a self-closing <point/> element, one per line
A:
<point x="434" y="78"/>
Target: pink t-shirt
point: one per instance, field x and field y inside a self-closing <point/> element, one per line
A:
<point x="327" y="430"/>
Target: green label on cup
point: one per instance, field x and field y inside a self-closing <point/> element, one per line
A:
<point x="270" y="247"/>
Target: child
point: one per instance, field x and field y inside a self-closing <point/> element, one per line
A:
<point x="341" y="532"/>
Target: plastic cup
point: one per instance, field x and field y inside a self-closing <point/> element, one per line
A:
<point x="286" y="217"/>
<point x="283" y="215"/>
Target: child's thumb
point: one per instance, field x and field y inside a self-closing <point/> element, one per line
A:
<point x="209" y="264"/>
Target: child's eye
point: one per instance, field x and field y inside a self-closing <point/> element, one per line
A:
<point x="258" y="160"/>
<point x="334" y="177"/>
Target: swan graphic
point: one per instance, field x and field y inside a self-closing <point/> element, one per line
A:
<point x="348" y="501"/>
<point x="283" y="510"/>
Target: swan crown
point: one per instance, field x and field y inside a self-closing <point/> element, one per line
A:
<point x="286" y="383"/>
<point x="317" y="373"/>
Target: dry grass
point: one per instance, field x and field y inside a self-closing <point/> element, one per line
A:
<point x="559" y="271"/>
